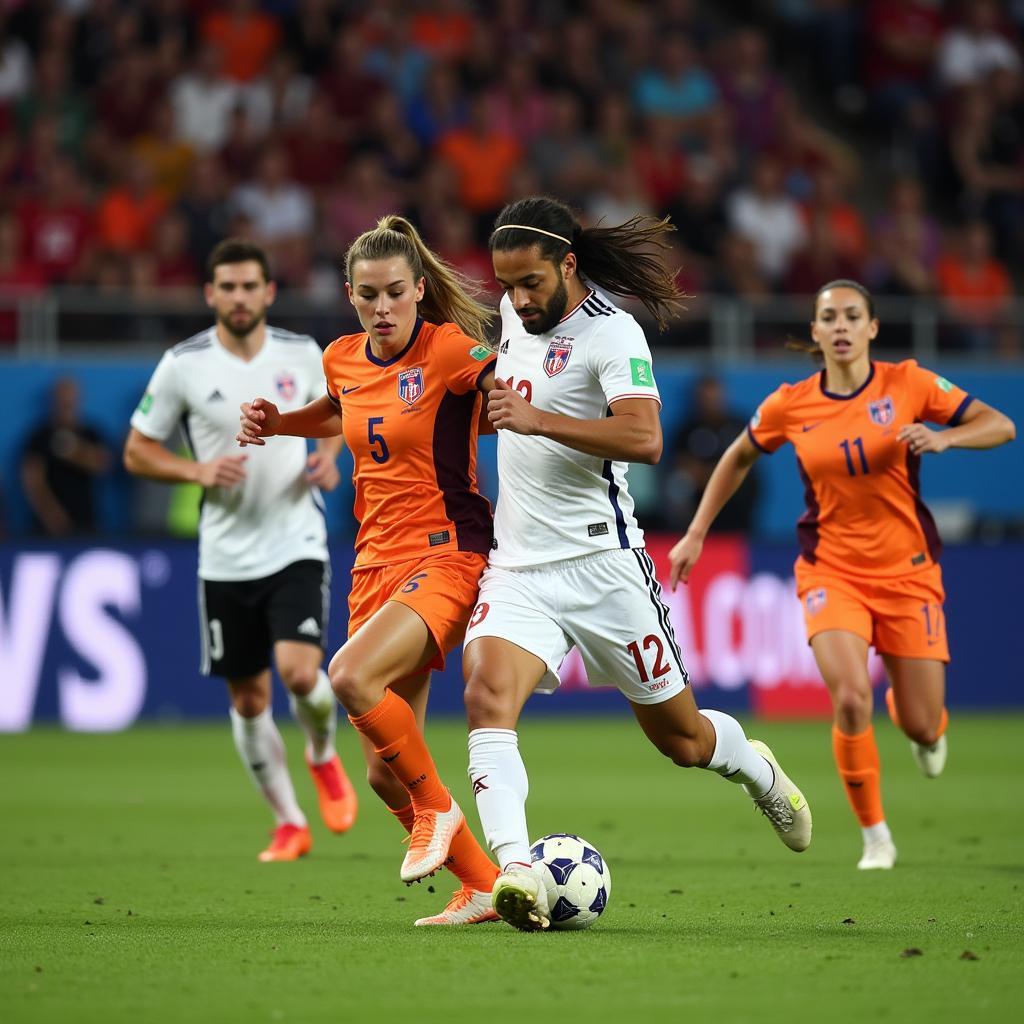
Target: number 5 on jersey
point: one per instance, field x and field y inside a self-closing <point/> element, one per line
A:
<point x="378" y="446"/>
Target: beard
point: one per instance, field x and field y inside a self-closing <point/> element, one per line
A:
<point x="552" y="312"/>
<point x="242" y="326"/>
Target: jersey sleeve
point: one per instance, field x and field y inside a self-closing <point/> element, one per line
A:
<point x="163" y="403"/>
<point x="462" y="361"/>
<point x="620" y="358"/>
<point x="767" y="427"/>
<point x="933" y="397"/>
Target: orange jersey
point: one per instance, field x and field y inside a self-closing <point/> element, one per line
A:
<point x="865" y="516"/>
<point x="411" y="424"/>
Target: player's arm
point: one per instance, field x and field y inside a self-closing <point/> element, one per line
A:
<point x="980" y="426"/>
<point x="731" y="471"/>
<point x="484" y="425"/>
<point x="147" y="457"/>
<point x="631" y="434"/>
<point x="322" y="464"/>
<point x="261" y="419"/>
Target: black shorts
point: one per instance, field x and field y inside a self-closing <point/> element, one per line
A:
<point x="241" y="620"/>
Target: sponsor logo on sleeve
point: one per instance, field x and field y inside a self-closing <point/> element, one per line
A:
<point x="640" y="370"/>
<point x="944" y="385"/>
<point x="146" y="403"/>
<point x="480" y="352"/>
<point x="755" y="420"/>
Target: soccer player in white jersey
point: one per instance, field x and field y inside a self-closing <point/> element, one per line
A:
<point x="576" y="401"/>
<point x="264" y="572"/>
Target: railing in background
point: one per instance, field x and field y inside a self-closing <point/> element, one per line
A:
<point x="76" y="321"/>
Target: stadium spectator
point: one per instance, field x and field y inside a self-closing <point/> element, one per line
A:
<point x="168" y="158"/>
<point x="444" y="30"/>
<point x="699" y="443"/>
<point x="565" y="156"/>
<point x="906" y="242"/>
<point x="245" y="34"/>
<point x="765" y="215"/>
<point x="206" y="207"/>
<point x="659" y="163"/>
<point x="61" y="462"/>
<point x="278" y="207"/>
<point x="972" y="49"/>
<point x="15" y="65"/>
<point x="125" y="97"/>
<point x="20" y="277"/>
<point x="822" y="258"/>
<point x="679" y="87"/>
<point x="127" y="211"/>
<point x="482" y="157"/>
<point x="347" y="82"/>
<point x="519" y="106"/>
<point x="310" y="28"/>
<point x="364" y="194"/>
<point x="54" y="96"/>
<point x="975" y="287"/>
<point x="279" y="100"/>
<point x="203" y="100"/>
<point x="439" y="107"/>
<point x="57" y="225"/>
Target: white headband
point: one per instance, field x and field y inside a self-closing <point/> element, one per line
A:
<point x="527" y="227"/>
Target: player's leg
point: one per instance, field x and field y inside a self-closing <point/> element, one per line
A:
<point x="513" y="647"/>
<point x="911" y="637"/>
<point x="261" y="749"/>
<point x="693" y="737"/>
<point x="842" y="660"/>
<point x="471" y="903"/>
<point x="917" y="704"/>
<point x="421" y="618"/>
<point x="297" y="610"/>
<point x="235" y="643"/>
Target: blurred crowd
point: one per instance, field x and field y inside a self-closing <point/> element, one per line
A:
<point x="791" y="141"/>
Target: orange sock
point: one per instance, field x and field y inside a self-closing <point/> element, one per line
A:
<point x="861" y="771"/>
<point x="391" y="728"/>
<point x="466" y="859"/>
<point x="890" y="703"/>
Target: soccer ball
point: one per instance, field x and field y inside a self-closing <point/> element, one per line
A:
<point x="576" y="877"/>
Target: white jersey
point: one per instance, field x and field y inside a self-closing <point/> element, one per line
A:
<point x="555" y="502"/>
<point x="273" y="518"/>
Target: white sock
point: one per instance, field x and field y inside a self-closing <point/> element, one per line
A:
<point x="262" y="751"/>
<point x="317" y="713"/>
<point x="735" y="759"/>
<point x="877" y="833"/>
<point x="500" y="786"/>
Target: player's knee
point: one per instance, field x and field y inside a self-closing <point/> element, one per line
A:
<point x="923" y="732"/>
<point x="684" y="751"/>
<point x="299" y="678"/>
<point x="853" y="704"/>
<point x="349" y="682"/>
<point x="249" y="703"/>
<point x="488" y="699"/>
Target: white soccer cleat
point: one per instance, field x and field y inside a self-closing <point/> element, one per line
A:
<point x="519" y="897"/>
<point x="879" y="855"/>
<point x="429" y="842"/>
<point x="784" y="805"/>
<point x="931" y="760"/>
<point x="467" y="906"/>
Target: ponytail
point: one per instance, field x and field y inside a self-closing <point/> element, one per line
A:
<point x="622" y="260"/>
<point x="448" y="296"/>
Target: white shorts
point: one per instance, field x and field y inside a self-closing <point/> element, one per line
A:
<point x="607" y="604"/>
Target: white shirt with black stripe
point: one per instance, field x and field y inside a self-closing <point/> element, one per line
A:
<point x="273" y="518"/>
<point x="555" y="502"/>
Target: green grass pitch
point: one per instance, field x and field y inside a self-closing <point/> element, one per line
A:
<point x="131" y="891"/>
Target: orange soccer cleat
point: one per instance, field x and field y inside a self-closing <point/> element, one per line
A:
<point x="430" y="842"/>
<point x="290" y="842"/>
<point x="467" y="906"/>
<point x="338" y="801"/>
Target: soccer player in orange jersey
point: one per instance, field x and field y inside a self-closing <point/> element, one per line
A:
<point x="407" y="394"/>
<point x="868" y="571"/>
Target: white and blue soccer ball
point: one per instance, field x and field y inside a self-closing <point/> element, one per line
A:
<point x="576" y="877"/>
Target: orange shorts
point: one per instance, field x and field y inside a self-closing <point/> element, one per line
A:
<point x="901" y="616"/>
<point x="440" y="589"/>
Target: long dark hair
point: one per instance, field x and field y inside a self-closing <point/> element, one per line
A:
<point x="448" y="296"/>
<point x="623" y="259"/>
<point x="811" y="347"/>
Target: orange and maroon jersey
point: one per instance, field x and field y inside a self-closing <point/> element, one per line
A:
<point x="411" y="424"/>
<point x="864" y="516"/>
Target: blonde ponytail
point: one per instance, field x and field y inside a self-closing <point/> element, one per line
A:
<point x="448" y="296"/>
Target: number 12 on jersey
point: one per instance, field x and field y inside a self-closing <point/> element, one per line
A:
<point x="661" y="666"/>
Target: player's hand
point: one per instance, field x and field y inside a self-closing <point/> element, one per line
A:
<point x="920" y="439"/>
<point x="683" y="557"/>
<point x="260" y="419"/>
<point x="507" y="409"/>
<point x="225" y="471"/>
<point x="321" y="471"/>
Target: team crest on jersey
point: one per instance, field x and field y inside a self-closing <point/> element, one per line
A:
<point x="815" y="600"/>
<point x="558" y="356"/>
<point x="410" y="385"/>
<point x="882" y="411"/>
<point x="286" y="386"/>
